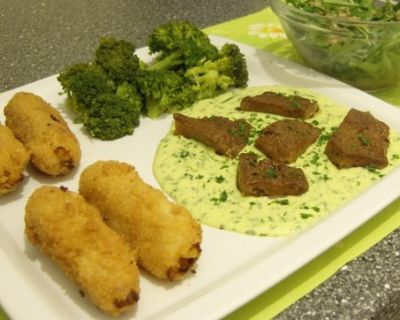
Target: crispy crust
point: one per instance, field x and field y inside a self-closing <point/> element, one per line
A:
<point x="164" y="233"/>
<point x="13" y="160"/>
<point x="73" y="234"/>
<point x="42" y="130"/>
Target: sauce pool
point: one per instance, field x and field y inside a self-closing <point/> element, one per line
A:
<point x="205" y="183"/>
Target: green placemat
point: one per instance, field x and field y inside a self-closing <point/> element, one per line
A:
<point x="263" y="31"/>
<point x="2" y="315"/>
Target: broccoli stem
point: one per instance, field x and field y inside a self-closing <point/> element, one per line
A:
<point x="167" y="62"/>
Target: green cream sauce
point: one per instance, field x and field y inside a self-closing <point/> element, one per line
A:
<point x="205" y="183"/>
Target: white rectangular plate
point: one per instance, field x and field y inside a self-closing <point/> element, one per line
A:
<point x="232" y="269"/>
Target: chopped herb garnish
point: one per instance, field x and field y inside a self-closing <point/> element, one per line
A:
<point x="184" y="153"/>
<point x="324" y="138"/>
<point x="305" y="215"/>
<point x="364" y="140"/>
<point x="374" y="170"/>
<point x="219" y="179"/>
<point x="314" y="160"/>
<point x="271" y="173"/>
<point x="188" y="175"/>
<point x="283" y="202"/>
<point x="294" y="103"/>
<point x="238" y="131"/>
<point x="223" y="196"/>
<point x="325" y="177"/>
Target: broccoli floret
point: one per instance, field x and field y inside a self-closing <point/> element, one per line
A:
<point x="164" y="91"/>
<point x="118" y="59"/>
<point x="207" y="80"/>
<point x="181" y="45"/>
<point x="110" y="93"/>
<point x="129" y="92"/>
<point x="215" y="77"/>
<point x="83" y="82"/>
<point x="106" y="111"/>
<point x="111" y="116"/>
<point x="233" y="63"/>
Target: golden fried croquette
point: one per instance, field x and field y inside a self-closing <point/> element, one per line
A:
<point x="40" y="127"/>
<point x="13" y="160"/>
<point x="73" y="234"/>
<point x="165" y="235"/>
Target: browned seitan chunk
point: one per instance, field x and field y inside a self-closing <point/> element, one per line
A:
<point x="359" y="141"/>
<point x="286" y="140"/>
<point x="227" y="137"/>
<point x="293" y="106"/>
<point x="269" y="178"/>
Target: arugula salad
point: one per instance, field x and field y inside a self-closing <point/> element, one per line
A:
<point x="356" y="41"/>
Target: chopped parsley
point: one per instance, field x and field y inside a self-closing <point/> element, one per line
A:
<point x="306" y="215"/>
<point x="271" y="173"/>
<point x="222" y="198"/>
<point x="183" y="154"/>
<point x="364" y="140"/>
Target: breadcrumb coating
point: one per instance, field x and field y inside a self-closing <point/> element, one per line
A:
<point x="73" y="234"/>
<point x="42" y="130"/>
<point x="13" y="160"/>
<point x="165" y="235"/>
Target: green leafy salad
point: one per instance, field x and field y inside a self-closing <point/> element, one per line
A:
<point x="356" y="41"/>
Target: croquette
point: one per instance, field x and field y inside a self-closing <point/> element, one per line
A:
<point x="13" y="160"/>
<point x="42" y="130"/>
<point x="73" y="234"/>
<point x="164" y="233"/>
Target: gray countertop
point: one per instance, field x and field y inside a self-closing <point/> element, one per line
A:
<point x="39" y="38"/>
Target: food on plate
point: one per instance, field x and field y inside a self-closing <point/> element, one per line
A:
<point x="285" y="140"/>
<point x="292" y="105"/>
<point x="72" y="232"/>
<point x="206" y="183"/>
<point x="44" y="133"/>
<point x="227" y="137"/>
<point x="117" y="58"/>
<point x="269" y="178"/>
<point x="183" y="47"/>
<point x="109" y="93"/>
<point x="106" y="109"/>
<point x="164" y="234"/>
<point x="13" y="160"/>
<point x="360" y="141"/>
<point x="164" y="91"/>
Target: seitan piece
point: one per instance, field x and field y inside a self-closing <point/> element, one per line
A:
<point x="286" y="140"/>
<point x="293" y="106"/>
<point x="227" y="137"/>
<point x="359" y="141"/>
<point x="269" y="178"/>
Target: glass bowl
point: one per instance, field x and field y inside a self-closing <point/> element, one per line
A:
<point x="364" y="54"/>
